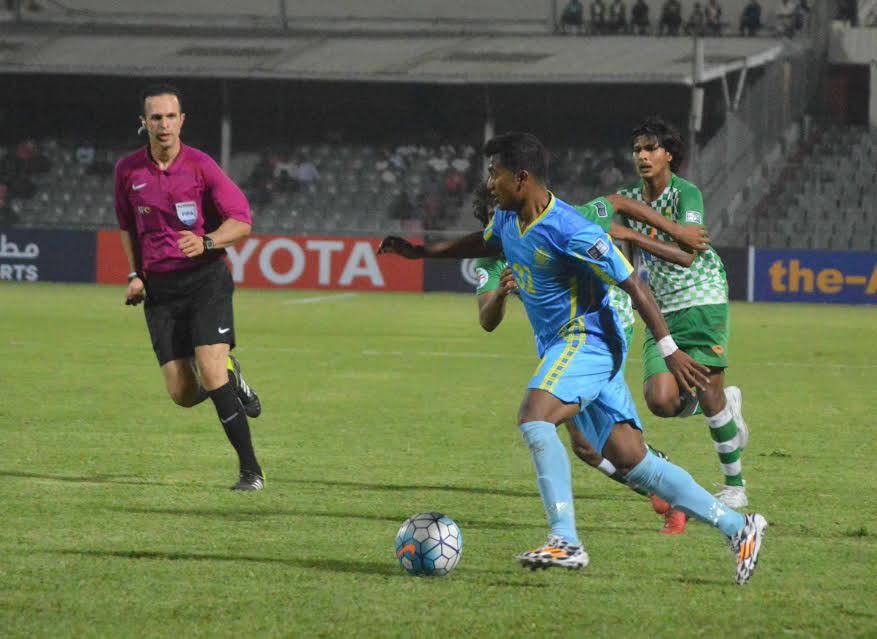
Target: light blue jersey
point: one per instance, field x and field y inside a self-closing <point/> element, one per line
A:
<point x="563" y="264"/>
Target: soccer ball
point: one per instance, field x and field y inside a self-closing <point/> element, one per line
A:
<point x="429" y="544"/>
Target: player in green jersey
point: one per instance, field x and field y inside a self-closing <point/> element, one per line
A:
<point x="692" y="292"/>
<point x="496" y="282"/>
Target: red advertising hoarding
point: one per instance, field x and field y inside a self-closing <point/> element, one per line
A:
<point x="278" y="261"/>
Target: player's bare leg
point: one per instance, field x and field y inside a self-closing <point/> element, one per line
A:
<point x="182" y="383"/>
<point x="663" y="398"/>
<point x="674" y="520"/>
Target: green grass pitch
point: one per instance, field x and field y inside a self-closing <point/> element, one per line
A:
<point x="116" y="521"/>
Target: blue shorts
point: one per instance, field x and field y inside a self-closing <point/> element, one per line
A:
<point x="591" y="377"/>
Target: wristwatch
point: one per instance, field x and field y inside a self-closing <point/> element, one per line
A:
<point x="208" y="243"/>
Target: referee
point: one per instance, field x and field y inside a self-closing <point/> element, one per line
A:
<point x="177" y="212"/>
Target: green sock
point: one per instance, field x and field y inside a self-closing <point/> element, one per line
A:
<point x="723" y="430"/>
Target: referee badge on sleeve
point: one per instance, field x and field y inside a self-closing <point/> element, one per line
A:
<point x="598" y="249"/>
<point x="187" y="212"/>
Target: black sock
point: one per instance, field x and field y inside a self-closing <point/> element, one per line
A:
<point x="237" y="429"/>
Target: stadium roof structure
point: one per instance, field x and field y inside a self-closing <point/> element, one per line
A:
<point x="373" y="58"/>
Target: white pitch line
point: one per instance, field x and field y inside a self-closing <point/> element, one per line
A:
<point x="321" y="298"/>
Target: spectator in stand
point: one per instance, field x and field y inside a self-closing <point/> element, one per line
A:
<point x="30" y="159"/>
<point x="598" y="17"/>
<point x="639" y="18"/>
<point x="671" y="18"/>
<point x="617" y="17"/>
<point x="696" y="24"/>
<point x="802" y="16"/>
<point x="261" y="180"/>
<point x="573" y="16"/>
<point x="750" y="19"/>
<point x="402" y="207"/>
<point x="713" y="18"/>
<point x="786" y="18"/>
<point x="305" y="173"/>
<point x="386" y="171"/>
<point x="85" y="154"/>
<point x="848" y="11"/>
<point x="283" y="170"/>
<point x="455" y="186"/>
<point x="8" y="217"/>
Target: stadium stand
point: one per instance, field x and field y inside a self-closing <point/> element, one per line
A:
<point x="358" y="187"/>
<point x="821" y="197"/>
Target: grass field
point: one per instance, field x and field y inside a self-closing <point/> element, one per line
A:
<point x="116" y="521"/>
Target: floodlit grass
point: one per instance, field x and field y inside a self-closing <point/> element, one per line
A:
<point x="116" y="521"/>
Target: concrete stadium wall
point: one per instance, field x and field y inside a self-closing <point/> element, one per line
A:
<point x="505" y="11"/>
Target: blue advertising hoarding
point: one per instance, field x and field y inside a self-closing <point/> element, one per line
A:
<point x="47" y="256"/>
<point x="837" y="277"/>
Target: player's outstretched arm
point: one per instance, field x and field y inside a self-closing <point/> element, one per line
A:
<point x="491" y="305"/>
<point x="688" y="373"/>
<point x="471" y="245"/>
<point x="664" y="250"/>
<point x="690" y="237"/>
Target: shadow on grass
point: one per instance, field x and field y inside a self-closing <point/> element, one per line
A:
<point x="394" y="520"/>
<point x="703" y="581"/>
<point x="100" y="479"/>
<point x="387" y="568"/>
<point x="252" y="514"/>
<point x="406" y="488"/>
<point x="331" y="565"/>
<point x="475" y="490"/>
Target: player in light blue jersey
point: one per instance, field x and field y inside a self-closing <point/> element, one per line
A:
<point x="563" y="265"/>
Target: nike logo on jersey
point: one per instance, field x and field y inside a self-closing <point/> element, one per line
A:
<point x="137" y="187"/>
<point x="223" y="331"/>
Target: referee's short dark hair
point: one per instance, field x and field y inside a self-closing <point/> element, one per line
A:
<point x="162" y="88"/>
<point x="667" y="136"/>
<point x="519" y="151"/>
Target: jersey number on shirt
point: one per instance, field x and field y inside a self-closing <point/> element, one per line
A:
<point x="524" y="278"/>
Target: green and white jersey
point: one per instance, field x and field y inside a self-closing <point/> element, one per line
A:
<point x="488" y="271"/>
<point x="676" y="287"/>
<point x="599" y="211"/>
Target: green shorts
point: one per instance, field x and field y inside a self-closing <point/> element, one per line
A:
<point x="700" y="331"/>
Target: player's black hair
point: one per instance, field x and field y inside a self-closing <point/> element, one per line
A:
<point x="483" y="203"/>
<point x="519" y="152"/>
<point x="159" y="89"/>
<point x="667" y="136"/>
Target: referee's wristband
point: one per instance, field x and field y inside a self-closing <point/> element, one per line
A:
<point x="133" y="275"/>
<point x="666" y="346"/>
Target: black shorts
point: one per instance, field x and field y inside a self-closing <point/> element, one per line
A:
<point x="189" y="308"/>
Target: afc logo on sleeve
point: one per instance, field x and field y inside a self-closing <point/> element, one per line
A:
<point x="602" y="211"/>
<point x="598" y="249"/>
<point x="482" y="277"/>
<point x="694" y="217"/>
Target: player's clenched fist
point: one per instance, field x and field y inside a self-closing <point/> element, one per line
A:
<point x="507" y="283"/>
<point x="400" y="246"/>
<point x="190" y="244"/>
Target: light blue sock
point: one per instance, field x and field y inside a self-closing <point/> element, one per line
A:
<point x="553" y="477"/>
<point x="674" y="485"/>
